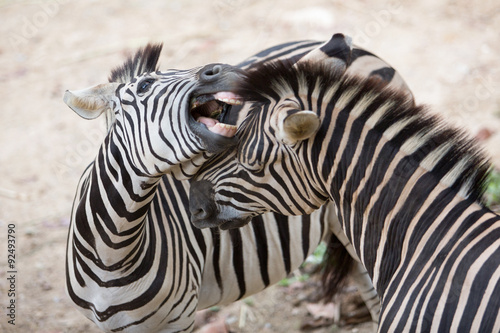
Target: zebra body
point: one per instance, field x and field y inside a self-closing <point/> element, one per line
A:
<point x="408" y="190"/>
<point x="134" y="263"/>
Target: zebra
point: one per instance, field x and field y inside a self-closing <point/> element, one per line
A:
<point x="408" y="188"/>
<point x="134" y="263"/>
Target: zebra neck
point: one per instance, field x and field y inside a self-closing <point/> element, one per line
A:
<point x="114" y="200"/>
<point x="393" y="206"/>
<point x="127" y="187"/>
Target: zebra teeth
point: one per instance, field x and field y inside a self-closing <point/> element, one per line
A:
<point x="228" y="98"/>
<point x="217" y="127"/>
<point x="224" y="129"/>
<point x="194" y="103"/>
<point x="230" y="101"/>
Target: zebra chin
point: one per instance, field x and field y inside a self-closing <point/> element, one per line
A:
<point x="212" y="142"/>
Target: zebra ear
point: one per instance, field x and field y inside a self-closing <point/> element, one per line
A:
<point x="91" y="102"/>
<point x="336" y="53"/>
<point x="297" y="126"/>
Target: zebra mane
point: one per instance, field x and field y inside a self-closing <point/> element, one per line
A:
<point x="144" y="60"/>
<point x="455" y="158"/>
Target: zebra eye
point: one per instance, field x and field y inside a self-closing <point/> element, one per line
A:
<point x="144" y="85"/>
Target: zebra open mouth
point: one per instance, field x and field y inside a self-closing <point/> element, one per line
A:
<point x="211" y="109"/>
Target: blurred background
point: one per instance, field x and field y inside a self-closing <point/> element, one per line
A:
<point x="447" y="51"/>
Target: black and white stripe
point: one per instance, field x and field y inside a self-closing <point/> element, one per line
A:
<point x="158" y="272"/>
<point x="408" y="189"/>
<point x="134" y="263"/>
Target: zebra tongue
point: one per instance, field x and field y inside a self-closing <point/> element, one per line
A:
<point x="216" y="127"/>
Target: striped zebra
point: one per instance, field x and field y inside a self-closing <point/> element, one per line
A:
<point x="408" y="188"/>
<point x="134" y="262"/>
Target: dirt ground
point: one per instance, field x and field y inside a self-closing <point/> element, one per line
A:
<point x="448" y="52"/>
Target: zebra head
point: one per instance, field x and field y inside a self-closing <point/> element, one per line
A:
<point x="165" y="121"/>
<point x="264" y="172"/>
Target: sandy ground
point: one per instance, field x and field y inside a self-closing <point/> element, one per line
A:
<point x="446" y="50"/>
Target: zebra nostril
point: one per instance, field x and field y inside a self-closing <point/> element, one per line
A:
<point x="199" y="213"/>
<point x="210" y="72"/>
<point x="201" y="201"/>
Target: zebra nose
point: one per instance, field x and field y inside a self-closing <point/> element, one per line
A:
<point x="210" y="72"/>
<point x="201" y="201"/>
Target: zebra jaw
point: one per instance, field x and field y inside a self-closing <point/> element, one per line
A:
<point x="211" y="109"/>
